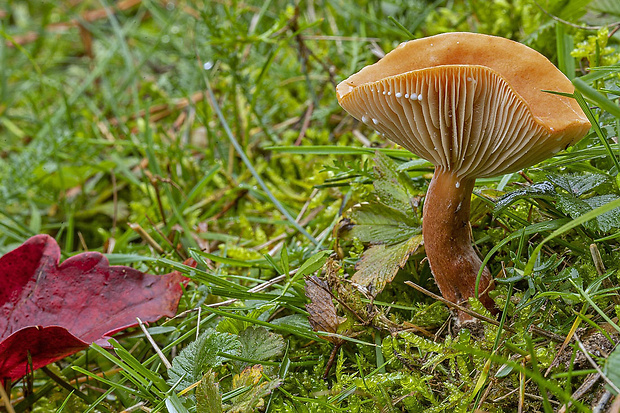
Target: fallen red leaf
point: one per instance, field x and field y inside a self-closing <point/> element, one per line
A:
<point x="51" y="310"/>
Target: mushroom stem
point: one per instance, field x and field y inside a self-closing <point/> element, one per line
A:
<point x="447" y="240"/>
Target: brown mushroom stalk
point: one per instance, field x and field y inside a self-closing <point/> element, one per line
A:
<point x="475" y="106"/>
<point x="447" y="239"/>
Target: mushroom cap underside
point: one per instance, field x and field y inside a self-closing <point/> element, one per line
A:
<point x="528" y="72"/>
<point x="467" y="119"/>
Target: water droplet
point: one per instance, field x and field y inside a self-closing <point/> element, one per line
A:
<point x="406" y="95"/>
<point x="414" y="96"/>
<point x="364" y="119"/>
<point x="208" y="65"/>
<point x="458" y="184"/>
<point x="420" y="97"/>
<point x="398" y="94"/>
<point x="375" y="121"/>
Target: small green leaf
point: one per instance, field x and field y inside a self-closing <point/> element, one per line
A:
<point x="208" y="397"/>
<point x="376" y="223"/>
<point x="542" y="190"/>
<point x="284" y="260"/>
<point x="579" y="184"/>
<point x="312" y="264"/>
<point x="252" y="399"/>
<point x="576" y="207"/>
<point x="503" y="371"/>
<point x="200" y="355"/>
<point x="393" y="188"/>
<point x="380" y="263"/>
<point x="259" y="344"/>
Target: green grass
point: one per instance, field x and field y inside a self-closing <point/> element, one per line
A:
<point x="214" y="127"/>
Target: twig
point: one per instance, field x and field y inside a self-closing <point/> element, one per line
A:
<point x="134" y="407"/>
<point x="615" y="407"/>
<point x="198" y="322"/>
<point x="165" y="238"/>
<point x="7" y="402"/>
<point x="602" y="401"/>
<point x="305" y="123"/>
<point x="535" y="329"/>
<point x="154" y="345"/>
<point x="583" y="389"/>
<point x="145" y="236"/>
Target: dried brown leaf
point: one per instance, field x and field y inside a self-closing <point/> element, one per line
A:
<point x="322" y="310"/>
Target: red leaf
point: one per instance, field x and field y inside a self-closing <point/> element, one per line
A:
<point x="51" y="311"/>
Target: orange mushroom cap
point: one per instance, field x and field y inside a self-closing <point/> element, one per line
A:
<point x="472" y="104"/>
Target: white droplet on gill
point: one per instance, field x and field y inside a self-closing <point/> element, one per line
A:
<point x="364" y="119"/>
<point x="375" y="121"/>
<point x="398" y="94"/>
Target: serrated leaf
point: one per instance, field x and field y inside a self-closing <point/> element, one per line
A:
<point x="608" y="220"/>
<point x="257" y="343"/>
<point x="252" y="399"/>
<point x="208" y="397"/>
<point x="200" y="355"/>
<point x="575" y="207"/>
<point x="579" y="184"/>
<point x="380" y="263"/>
<point x="375" y="223"/>
<point x="322" y="312"/>
<point x="543" y="190"/>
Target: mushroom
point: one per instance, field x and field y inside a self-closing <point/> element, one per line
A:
<point x="475" y="106"/>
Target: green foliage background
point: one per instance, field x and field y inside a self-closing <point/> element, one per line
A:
<point x="213" y="127"/>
